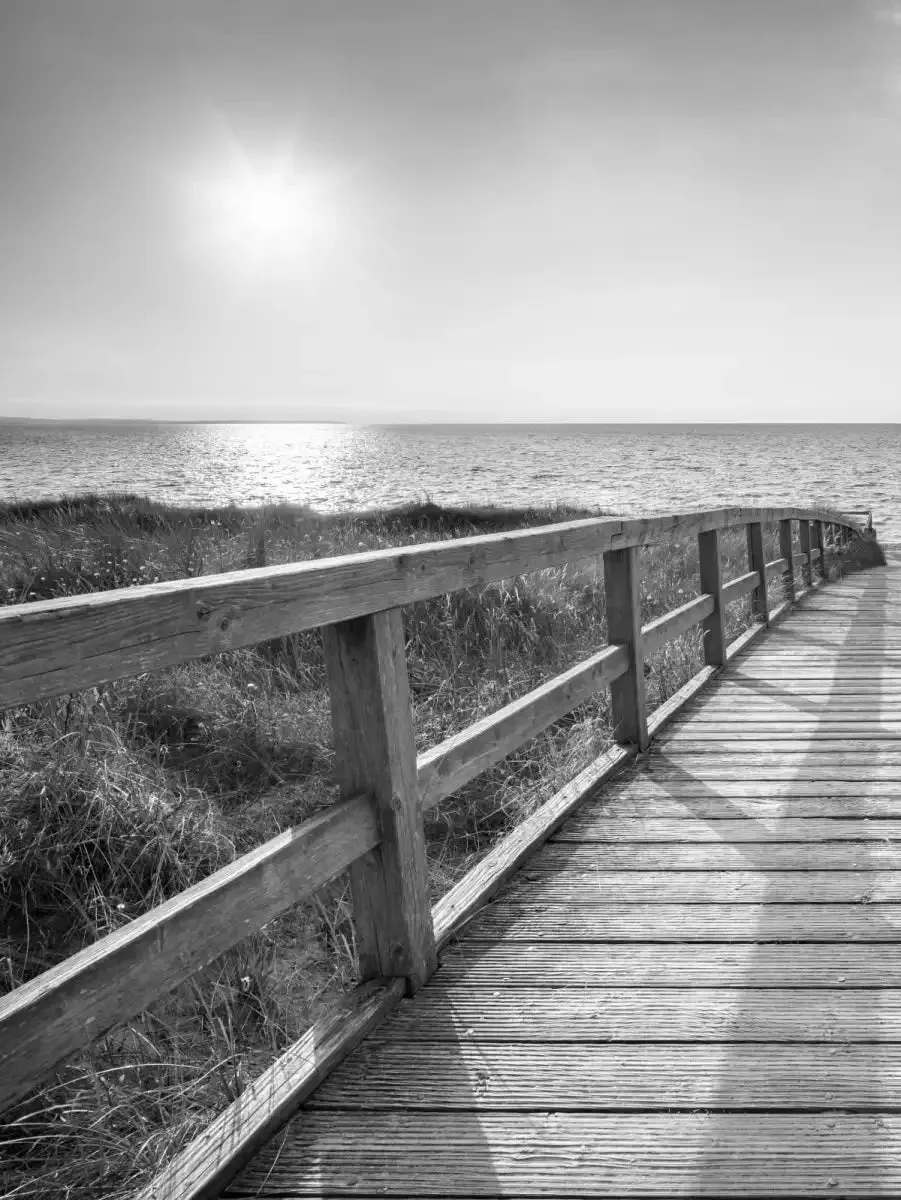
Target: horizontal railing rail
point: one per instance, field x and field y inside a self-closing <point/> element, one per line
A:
<point x="52" y="647"/>
<point x="376" y="831"/>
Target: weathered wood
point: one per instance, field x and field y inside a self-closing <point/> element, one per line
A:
<point x="783" y="791"/>
<point x="628" y="699"/>
<point x="375" y="751"/>
<point x="532" y="1154"/>
<point x="63" y="1009"/>
<point x="214" y="1157"/>
<point x="673" y="624"/>
<point x="820" y="772"/>
<point x="591" y="824"/>
<point x="717" y="856"/>
<point x="456" y="1013"/>
<point x="757" y="563"/>
<point x="806" y="564"/>
<point x="856" y="732"/>
<point x="696" y="964"/>
<point x="494" y="870"/>
<point x="620" y="1078"/>
<point x="707" y="887"/>
<point x="820" y="547"/>
<point x="743" y="585"/>
<point x="56" y="646"/>
<point x="786" y="553"/>
<point x="539" y="921"/>
<point x="454" y="762"/>
<point x="712" y="585"/>
<point x="879" y="749"/>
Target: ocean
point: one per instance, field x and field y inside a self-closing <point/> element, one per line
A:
<point x="628" y="469"/>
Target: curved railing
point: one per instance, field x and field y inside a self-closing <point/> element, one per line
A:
<point x="376" y="831"/>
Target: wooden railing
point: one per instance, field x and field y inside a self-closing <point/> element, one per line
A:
<point x="376" y="831"/>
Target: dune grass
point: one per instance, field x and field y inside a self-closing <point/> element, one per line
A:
<point x="115" y="799"/>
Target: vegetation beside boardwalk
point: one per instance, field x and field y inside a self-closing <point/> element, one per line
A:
<point x="114" y="800"/>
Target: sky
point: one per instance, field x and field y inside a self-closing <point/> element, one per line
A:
<point x="417" y="210"/>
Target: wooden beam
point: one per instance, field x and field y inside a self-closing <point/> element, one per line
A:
<point x="778" y="566"/>
<point x="630" y="718"/>
<point x="742" y="585"/>
<point x="760" y="608"/>
<point x="712" y="585"/>
<point x="375" y="751"/>
<point x="820" y="546"/>
<point x="785" y="551"/>
<point x="672" y="624"/>
<point x="458" y="759"/>
<point x="55" y="646"/>
<point x="50" y="1017"/>
<point x="806" y="565"/>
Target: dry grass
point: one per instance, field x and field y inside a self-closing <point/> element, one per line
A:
<point x="113" y="800"/>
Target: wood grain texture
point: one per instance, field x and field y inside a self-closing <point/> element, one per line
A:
<point x="590" y="825"/>
<point x="375" y="750"/>
<point x="582" y="1154"/>
<point x="742" y="585"/>
<point x="623" y="610"/>
<point x="807" y="562"/>
<point x="707" y="887"/>
<point x="56" y="646"/>
<point x="757" y="564"/>
<point x="639" y="964"/>
<point x="787" y="555"/>
<point x="540" y="921"/>
<point x="577" y="858"/>
<point x="214" y="1157"/>
<point x="878" y="748"/>
<point x="61" y="1010"/>
<point x="623" y="1078"/>
<point x="454" y="762"/>
<point x="673" y="624"/>
<point x="712" y="584"/>
<point x="727" y="800"/>
<point x="460" y="1013"/>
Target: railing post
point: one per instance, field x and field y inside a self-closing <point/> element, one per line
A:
<point x="630" y="712"/>
<point x="757" y="562"/>
<point x="712" y="584"/>
<point x="806" y="565"/>
<point x="820" y="544"/>
<point x="375" y="752"/>
<point x="785" y="551"/>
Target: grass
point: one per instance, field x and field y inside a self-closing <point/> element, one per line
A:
<point x="113" y="800"/>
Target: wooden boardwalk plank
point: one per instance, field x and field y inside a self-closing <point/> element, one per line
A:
<point x="461" y="1012"/>
<point x="407" y="1154"/>
<point x="588" y="826"/>
<point x="711" y="887"/>
<point x="536" y="920"/>
<point x="588" y="1077"/>
<point x="581" y="858"/>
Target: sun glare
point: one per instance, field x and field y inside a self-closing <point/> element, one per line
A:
<point x="264" y="215"/>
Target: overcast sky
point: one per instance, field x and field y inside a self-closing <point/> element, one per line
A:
<point x="451" y="209"/>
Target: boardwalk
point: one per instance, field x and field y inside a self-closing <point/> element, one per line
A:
<point x="693" y="989"/>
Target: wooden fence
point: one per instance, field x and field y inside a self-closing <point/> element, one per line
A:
<point x="376" y="831"/>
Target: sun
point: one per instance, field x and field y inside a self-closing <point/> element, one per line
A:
<point x="263" y="214"/>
